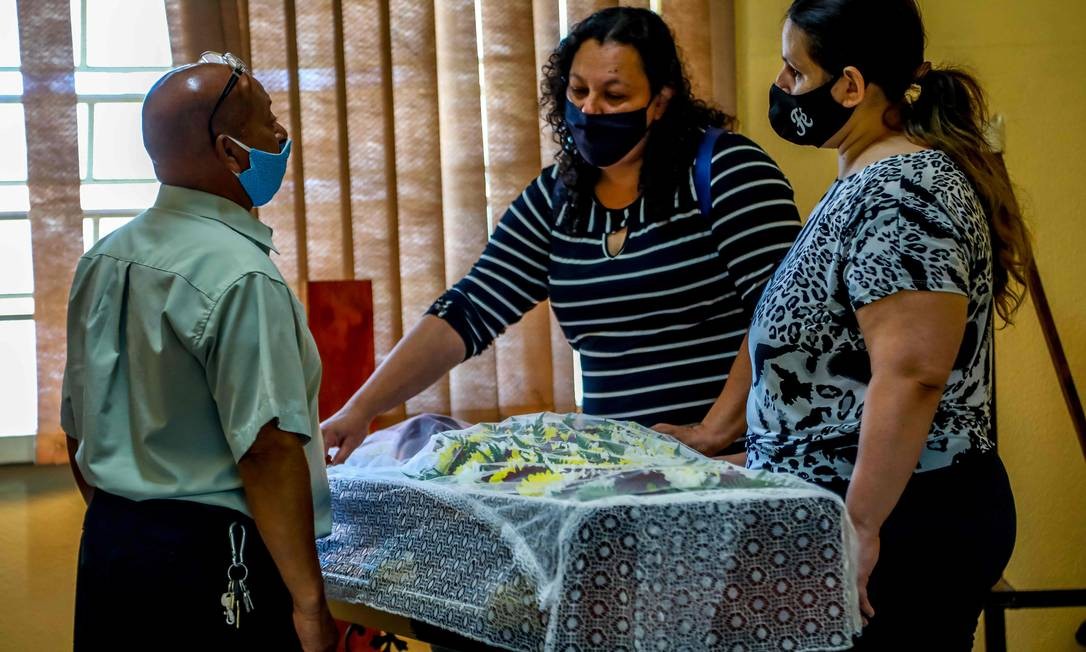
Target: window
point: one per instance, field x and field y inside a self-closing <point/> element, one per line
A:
<point x="18" y="381"/>
<point x="120" y="48"/>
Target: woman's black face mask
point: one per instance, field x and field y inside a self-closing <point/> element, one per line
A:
<point x="811" y="118"/>
<point x="603" y="139"/>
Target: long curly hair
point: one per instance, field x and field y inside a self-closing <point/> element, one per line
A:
<point x="673" y="139"/>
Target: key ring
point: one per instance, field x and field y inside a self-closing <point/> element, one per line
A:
<point x="237" y="554"/>
<point x="243" y="567"/>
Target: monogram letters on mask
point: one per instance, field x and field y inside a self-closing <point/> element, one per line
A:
<point x="811" y="118"/>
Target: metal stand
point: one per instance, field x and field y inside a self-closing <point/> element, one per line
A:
<point x="1003" y="595"/>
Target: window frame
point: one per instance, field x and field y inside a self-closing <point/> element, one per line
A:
<point x="18" y="447"/>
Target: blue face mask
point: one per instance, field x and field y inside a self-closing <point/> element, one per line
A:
<point x="265" y="174"/>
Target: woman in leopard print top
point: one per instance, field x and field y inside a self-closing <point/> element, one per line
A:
<point x="871" y="345"/>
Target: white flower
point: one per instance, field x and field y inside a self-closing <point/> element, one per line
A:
<point x="684" y="477"/>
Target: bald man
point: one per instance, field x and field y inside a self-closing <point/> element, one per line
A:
<point x="190" y="397"/>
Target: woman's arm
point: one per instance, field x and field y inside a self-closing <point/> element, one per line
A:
<point x="753" y="221"/>
<point x="726" y="420"/>
<point x="507" y="281"/>
<point x="912" y="340"/>
<point x="422" y="357"/>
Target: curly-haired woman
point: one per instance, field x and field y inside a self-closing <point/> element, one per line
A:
<point x="653" y="292"/>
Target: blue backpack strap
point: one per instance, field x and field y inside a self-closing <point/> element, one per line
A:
<point x="703" y="170"/>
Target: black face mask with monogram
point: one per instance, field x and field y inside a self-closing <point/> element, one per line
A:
<point x="811" y="118"/>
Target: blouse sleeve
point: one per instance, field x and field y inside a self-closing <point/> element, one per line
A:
<point x="754" y="214"/>
<point x="914" y="244"/>
<point x="510" y="277"/>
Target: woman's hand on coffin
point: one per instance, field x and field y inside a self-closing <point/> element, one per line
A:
<point x="344" y="431"/>
<point x="316" y="630"/>
<point x="698" y="436"/>
<point x="738" y="459"/>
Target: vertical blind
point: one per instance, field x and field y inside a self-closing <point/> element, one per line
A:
<point x="415" y="123"/>
<point x="56" y="218"/>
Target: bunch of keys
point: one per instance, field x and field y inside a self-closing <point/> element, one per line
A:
<point x="236" y="597"/>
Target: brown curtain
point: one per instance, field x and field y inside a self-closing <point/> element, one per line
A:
<point x="547" y="32"/>
<point x="722" y="54"/>
<point x="415" y="123"/>
<point x="578" y="10"/>
<point x="508" y="62"/>
<point x="473" y="388"/>
<point x="404" y="157"/>
<point x="219" y="25"/>
<point x="56" y="218"/>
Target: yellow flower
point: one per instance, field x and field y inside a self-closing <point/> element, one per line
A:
<point x="445" y="458"/>
<point x="536" y="484"/>
<point x="501" y="475"/>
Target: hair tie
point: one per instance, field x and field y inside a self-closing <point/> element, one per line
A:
<point x="912" y="93"/>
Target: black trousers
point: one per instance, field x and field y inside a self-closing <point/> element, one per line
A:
<point x="942" y="549"/>
<point x="151" y="575"/>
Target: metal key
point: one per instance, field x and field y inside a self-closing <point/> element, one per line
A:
<point x="237" y="596"/>
<point x="229" y="602"/>
<point x="246" y="598"/>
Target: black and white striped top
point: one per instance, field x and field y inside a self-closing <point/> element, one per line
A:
<point x="657" y="326"/>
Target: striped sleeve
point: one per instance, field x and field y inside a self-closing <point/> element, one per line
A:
<point x="510" y="277"/>
<point x="754" y="216"/>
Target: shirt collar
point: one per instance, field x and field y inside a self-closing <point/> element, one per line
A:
<point x="220" y="209"/>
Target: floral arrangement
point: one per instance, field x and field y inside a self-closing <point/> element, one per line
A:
<point x="574" y="456"/>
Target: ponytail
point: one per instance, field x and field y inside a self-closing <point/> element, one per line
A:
<point x="946" y="110"/>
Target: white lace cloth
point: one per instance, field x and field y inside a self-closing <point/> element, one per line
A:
<point x="564" y="532"/>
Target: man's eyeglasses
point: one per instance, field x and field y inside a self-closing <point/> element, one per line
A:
<point x="237" y="67"/>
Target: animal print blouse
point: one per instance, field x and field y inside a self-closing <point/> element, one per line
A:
<point x="907" y="222"/>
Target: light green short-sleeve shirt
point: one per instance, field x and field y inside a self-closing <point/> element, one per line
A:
<point x="183" y="342"/>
